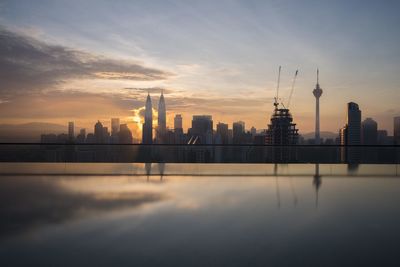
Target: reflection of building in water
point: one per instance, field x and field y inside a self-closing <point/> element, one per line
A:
<point x="317" y="183"/>
<point x="147" y="168"/>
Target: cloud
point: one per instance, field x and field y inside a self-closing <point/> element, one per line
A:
<point x="27" y="64"/>
<point x="151" y="90"/>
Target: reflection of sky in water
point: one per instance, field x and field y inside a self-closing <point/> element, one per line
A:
<point x="198" y="221"/>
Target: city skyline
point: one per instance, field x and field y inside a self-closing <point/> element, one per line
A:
<point x="281" y="129"/>
<point x="206" y="67"/>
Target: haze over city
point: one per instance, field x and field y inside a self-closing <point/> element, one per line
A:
<point x="93" y="60"/>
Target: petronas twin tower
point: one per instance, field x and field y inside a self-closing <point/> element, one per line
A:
<point x="147" y="131"/>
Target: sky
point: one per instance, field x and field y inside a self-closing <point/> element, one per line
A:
<point x="85" y="61"/>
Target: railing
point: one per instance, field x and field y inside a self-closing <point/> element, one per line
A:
<point x="165" y="153"/>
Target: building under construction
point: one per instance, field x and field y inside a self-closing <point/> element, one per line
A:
<point x="281" y="131"/>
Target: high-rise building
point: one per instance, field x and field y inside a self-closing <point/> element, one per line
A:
<point x="253" y="131"/>
<point x="162" y="120"/>
<point x="238" y="132"/>
<point x="71" y="134"/>
<point x="369" y="132"/>
<point x="106" y="135"/>
<point x="147" y="129"/>
<point x="317" y="92"/>
<point x="98" y="132"/>
<point x="202" y="129"/>
<point x="81" y="137"/>
<point x="396" y="130"/>
<point x="281" y="130"/>
<point x="178" y="122"/>
<point x="383" y="137"/>
<point x="125" y="135"/>
<point x="350" y="134"/>
<point x="353" y="124"/>
<point x="114" y="126"/>
<point x="223" y="132"/>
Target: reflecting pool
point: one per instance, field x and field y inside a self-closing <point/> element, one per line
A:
<point x="68" y="220"/>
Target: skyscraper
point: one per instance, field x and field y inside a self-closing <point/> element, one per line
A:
<point x="114" y="126"/>
<point x="369" y="132"/>
<point x="81" y="137"/>
<point x="178" y="122"/>
<point x="147" y="129"/>
<point x="125" y="135"/>
<point x="353" y="124"/>
<point x="71" y="134"/>
<point x="396" y="130"/>
<point x="202" y="127"/>
<point x="98" y="132"/>
<point x="317" y="93"/>
<point x="223" y="132"/>
<point x="162" y="120"/>
<point x="238" y="131"/>
<point x="350" y="134"/>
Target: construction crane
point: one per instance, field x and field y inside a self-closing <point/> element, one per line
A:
<point x="292" y="89"/>
<point x="276" y="104"/>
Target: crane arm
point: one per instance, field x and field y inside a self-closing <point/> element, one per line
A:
<point x="292" y="89"/>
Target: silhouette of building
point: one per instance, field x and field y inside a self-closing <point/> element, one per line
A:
<point x="253" y="131"/>
<point x="48" y="138"/>
<point x="178" y="122"/>
<point x="98" y="132"/>
<point x="147" y="129"/>
<point x="91" y="138"/>
<point x="369" y="132"/>
<point x="396" y="130"/>
<point x="317" y="92"/>
<point x="81" y="137"/>
<point x="238" y="132"/>
<point x="350" y="134"/>
<point x="71" y="134"/>
<point x="223" y="132"/>
<point x="281" y="130"/>
<point x="179" y="137"/>
<point x="353" y="124"/>
<point x="114" y="126"/>
<point x="125" y="135"/>
<point x="106" y="135"/>
<point x="202" y="130"/>
<point x="162" y="120"/>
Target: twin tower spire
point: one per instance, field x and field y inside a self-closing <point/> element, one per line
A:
<point x="161" y="129"/>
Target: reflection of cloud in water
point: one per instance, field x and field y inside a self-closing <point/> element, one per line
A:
<point x="28" y="202"/>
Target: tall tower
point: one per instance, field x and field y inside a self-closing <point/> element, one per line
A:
<point x="162" y="121"/>
<point x="317" y="93"/>
<point x="147" y="131"/>
<point x="71" y="127"/>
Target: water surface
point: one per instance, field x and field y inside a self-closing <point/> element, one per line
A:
<point x="199" y="221"/>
